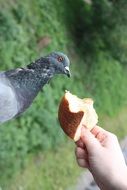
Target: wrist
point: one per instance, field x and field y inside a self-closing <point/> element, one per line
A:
<point x="119" y="181"/>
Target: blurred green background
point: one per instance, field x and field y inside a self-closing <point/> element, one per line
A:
<point x="34" y="152"/>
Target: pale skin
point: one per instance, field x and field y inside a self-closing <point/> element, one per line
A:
<point x="100" y="152"/>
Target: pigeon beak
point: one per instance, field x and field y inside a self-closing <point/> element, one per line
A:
<point x="67" y="71"/>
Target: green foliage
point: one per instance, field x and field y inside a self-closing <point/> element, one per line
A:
<point x="93" y="30"/>
<point x="107" y="84"/>
<point x="38" y="128"/>
<point x="90" y="26"/>
<point x="44" y="170"/>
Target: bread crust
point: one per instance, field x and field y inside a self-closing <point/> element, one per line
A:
<point x="74" y="113"/>
<point x="69" y="119"/>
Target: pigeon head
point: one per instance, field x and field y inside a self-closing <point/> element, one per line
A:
<point x="54" y="63"/>
<point x="59" y="62"/>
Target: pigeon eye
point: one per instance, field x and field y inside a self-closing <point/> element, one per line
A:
<point x="60" y="59"/>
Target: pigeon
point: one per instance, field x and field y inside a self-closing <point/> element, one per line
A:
<point x="20" y="86"/>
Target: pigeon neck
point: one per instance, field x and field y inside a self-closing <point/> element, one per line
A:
<point x="29" y="79"/>
<point x="28" y="82"/>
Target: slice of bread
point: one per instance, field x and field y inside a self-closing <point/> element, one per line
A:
<point x="74" y="113"/>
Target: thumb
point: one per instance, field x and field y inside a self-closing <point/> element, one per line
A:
<point x="89" y="140"/>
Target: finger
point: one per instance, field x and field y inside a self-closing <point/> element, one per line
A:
<point x="101" y="137"/>
<point x="89" y="140"/>
<point x="81" y="153"/>
<point x="97" y="130"/>
<point x="79" y="143"/>
<point x="106" y="138"/>
<point x="82" y="163"/>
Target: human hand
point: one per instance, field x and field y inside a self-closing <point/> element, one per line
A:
<point x="99" y="151"/>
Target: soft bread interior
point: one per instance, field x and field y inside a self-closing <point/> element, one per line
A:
<point x="90" y="117"/>
<point x="73" y="103"/>
<point x="76" y="104"/>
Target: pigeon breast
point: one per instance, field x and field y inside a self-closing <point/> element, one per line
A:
<point x="8" y="103"/>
